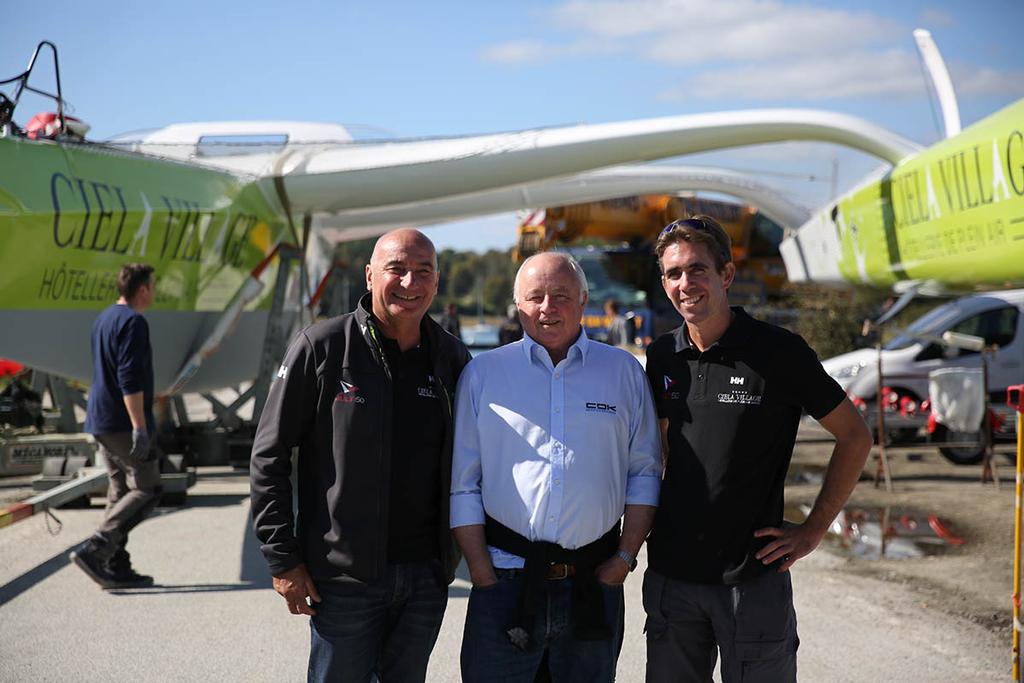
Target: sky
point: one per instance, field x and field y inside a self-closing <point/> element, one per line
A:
<point x="410" y="69"/>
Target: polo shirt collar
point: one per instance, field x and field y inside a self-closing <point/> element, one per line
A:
<point x="736" y="335"/>
<point x="579" y="348"/>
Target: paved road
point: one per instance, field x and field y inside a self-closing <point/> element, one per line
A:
<point x="212" y="615"/>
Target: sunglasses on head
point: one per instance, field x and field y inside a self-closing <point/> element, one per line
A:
<point x="693" y="223"/>
<point x="700" y="225"/>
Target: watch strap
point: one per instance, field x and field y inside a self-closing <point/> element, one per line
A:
<point x="627" y="558"/>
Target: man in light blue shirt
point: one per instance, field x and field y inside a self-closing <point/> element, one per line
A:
<point x="556" y="439"/>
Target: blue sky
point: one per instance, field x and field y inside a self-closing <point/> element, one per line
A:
<point x="413" y="69"/>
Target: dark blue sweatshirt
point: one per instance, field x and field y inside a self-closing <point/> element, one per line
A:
<point x="122" y="364"/>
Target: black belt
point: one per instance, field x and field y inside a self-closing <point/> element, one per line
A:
<point x="545" y="560"/>
<point x="556" y="571"/>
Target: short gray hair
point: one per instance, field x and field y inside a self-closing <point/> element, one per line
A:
<point x="567" y="259"/>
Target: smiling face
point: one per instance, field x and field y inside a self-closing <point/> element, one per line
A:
<point x="402" y="278"/>
<point x="550" y="303"/>
<point x="692" y="284"/>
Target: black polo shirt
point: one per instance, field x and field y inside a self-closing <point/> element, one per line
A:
<point x="733" y="414"/>
<point x="416" y="446"/>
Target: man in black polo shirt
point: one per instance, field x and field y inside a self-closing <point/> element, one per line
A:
<point x="730" y="391"/>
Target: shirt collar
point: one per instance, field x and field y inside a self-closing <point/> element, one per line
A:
<point x="736" y="335"/>
<point x="579" y="348"/>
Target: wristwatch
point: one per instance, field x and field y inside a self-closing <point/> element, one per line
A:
<point x="627" y="558"/>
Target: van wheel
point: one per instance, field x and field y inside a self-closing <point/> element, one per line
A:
<point x="960" y="455"/>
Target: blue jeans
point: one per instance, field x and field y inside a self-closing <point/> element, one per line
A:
<point x="387" y="628"/>
<point x="487" y="654"/>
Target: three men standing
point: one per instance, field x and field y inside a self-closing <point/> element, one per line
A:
<point x="556" y="439"/>
<point x="730" y="391"/>
<point x="366" y="398"/>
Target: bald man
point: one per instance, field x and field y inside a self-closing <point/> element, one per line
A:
<point x="367" y="399"/>
<point x="556" y="440"/>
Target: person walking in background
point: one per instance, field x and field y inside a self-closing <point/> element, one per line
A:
<point x="618" y="328"/>
<point x="511" y="329"/>
<point x="119" y="415"/>
<point x="366" y="398"/>
<point x="730" y="391"/>
<point x="556" y="440"/>
<point x="450" y="321"/>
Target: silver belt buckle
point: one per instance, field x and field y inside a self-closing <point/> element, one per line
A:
<point x="565" y="571"/>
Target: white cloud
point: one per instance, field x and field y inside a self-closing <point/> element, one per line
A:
<point x="536" y="52"/>
<point x="776" y="50"/>
<point x="517" y="52"/>
<point x="936" y="17"/>
<point x="784" y="33"/>
<point x="893" y="73"/>
<point x="975" y="80"/>
<point x="693" y="31"/>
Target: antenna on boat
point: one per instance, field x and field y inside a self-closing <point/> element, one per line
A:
<point x="8" y="105"/>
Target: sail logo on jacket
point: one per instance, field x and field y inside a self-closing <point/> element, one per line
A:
<point x="348" y="393"/>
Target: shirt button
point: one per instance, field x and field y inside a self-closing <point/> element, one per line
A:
<point x="551" y="518"/>
<point x="557" y="375"/>
<point x="558" y="482"/>
<point x="558" y="410"/>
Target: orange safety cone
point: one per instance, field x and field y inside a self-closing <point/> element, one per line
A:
<point x="1015" y="399"/>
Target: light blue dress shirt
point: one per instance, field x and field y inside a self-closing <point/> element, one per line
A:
<point x="553" y="452"/>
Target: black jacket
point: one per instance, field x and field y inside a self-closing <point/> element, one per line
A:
<point x="332" y="399"/>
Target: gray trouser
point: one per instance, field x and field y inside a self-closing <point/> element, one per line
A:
<point x="133" y="492"/>
<point x="752" y="624"/>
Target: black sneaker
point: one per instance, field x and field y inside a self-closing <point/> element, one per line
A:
<point x="120" y="568"/>
<point x="87" y="557"/>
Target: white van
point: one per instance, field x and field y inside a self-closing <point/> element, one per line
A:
<point x="907" y="359"/>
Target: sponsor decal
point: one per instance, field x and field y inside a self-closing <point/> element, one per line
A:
<point x="597" y="407"/>
<point x="740" y="397"/>
<point x="348" y="393"/>
<point x="736" y="380"/>
<point x="428" y="391"/>
<point x="282" y="372"/>
<point x="669" y="393"/>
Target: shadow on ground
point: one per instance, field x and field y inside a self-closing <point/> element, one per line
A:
<point x="253" y="572"/>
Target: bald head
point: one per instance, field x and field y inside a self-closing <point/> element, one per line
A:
<point x="402" y="279"/>
<point x="403" y="238"/>
<point x="550" y="262"/>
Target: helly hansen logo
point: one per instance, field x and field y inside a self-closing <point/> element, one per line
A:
<point x="282" y="372"/>
<point x="736" y="380"/>
<point x="348" y="393"/>
<point x="594" y="407"/>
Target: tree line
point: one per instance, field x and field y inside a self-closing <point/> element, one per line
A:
<point x="475" y="283"/>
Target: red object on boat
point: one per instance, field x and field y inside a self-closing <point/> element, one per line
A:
<point x="9" y="367"/>
<point x="46" y="125"/>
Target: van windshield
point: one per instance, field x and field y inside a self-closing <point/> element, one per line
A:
<point x="931" y="324"/>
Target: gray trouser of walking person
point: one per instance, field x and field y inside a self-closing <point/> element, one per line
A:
<point x="133" y="491"/>
<point x="752" y="624"/>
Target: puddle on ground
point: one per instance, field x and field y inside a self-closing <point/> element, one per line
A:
<point x="909" y="534"/>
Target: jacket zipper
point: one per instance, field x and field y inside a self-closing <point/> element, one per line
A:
<point x="388" y="408"/>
